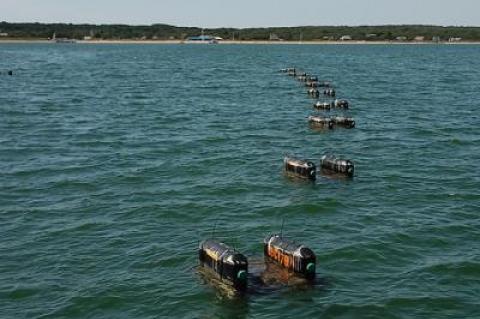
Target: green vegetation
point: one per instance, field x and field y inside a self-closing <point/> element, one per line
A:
<point x="168" y="32"/>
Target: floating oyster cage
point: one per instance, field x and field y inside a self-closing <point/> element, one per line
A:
<point x="333" y="164"/>
<point x="323" y="105"/>
<point x="341" y="103"/>
<point x="313" y="92"/>
<point x="321" y="121"/>
<point x="329" y="92"/>
<point x="229" y="265"/>
<point x="323" y="84"/>
<point x="300" y="168"/>
<point x="347" y="122"/>
<point x="291" y="255"/>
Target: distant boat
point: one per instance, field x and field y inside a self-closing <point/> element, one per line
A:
<point x="208" y="39"/>
<point x="62" y="40"/>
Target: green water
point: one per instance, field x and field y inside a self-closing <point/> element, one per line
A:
<point x="116" y="160"/>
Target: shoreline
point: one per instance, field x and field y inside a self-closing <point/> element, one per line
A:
<point x="233" y="42"/>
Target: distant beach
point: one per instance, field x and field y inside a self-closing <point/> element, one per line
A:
<point x="266" y="42"/>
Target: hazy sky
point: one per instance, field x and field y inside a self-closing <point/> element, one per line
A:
<point x="244" y="13"/>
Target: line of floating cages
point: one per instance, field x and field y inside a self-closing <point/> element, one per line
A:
<point x="229" y="266"/>
<point x="312" y="82"/>
<point x="309" y="79"/>
<point x="226" y="266"/>
<point x="317" y="88"/>
<point x="329" y="165"/>
<point x="307" y="169"/>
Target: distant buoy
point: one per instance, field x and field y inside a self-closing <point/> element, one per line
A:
<point x="10" y="72"/>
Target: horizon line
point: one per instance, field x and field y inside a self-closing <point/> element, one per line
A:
<point x="241" y="28"/>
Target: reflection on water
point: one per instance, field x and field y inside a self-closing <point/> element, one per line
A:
<point x="264" y="277"/>
<point x="296" y="179"/>
<point x="224" y="288"/>
<point x="335" y="176"/>
<point x="319" y="128"/>
<point x="324" y="173"/>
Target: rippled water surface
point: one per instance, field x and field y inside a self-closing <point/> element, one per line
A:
<point x="116" y="159"/>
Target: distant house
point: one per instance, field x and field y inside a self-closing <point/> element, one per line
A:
<point x="87" y="38"/>
<point x="402" y="38"/>
<point x="419" y="38"/>
<point x="274" y="37"/>
<point x="454" y="39"/>
<point x="436" y="39"/>
<point x="345" y="38"/>
<point x="370" y="35"/>
<point x="3" y="34"/>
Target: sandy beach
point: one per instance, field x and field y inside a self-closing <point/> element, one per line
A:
<point x="266" y="42"/>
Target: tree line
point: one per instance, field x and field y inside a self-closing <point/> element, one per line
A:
<point x="301" y="33"/>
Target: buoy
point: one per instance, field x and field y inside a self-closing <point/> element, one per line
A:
<point x="333" y="164"/>
<point x="229" y="265"/>
<point x="347" y="122"/>
<point x="321" y="121"/>
<point x="291" y="255"/>
<point x="323" y="105"/>
<point x="300" y="168"/>
<point x="10" y="72"/>
<point x="341" y="103"/>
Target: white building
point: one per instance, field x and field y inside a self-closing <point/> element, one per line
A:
<point x="274" y="37"/>
<point x="454" y="39"/>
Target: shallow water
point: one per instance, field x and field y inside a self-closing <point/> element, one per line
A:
<point x="116" y="159"/>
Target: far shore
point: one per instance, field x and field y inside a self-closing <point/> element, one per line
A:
<point x="239" y="42"/>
